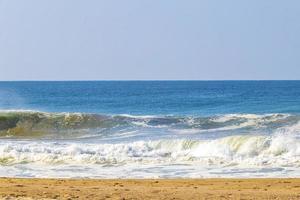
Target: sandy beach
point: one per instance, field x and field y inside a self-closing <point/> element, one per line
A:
<point x="11" y="188"/>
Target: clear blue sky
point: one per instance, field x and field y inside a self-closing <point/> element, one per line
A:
<point x="149" y="39"/>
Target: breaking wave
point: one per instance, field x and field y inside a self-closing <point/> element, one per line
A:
<point x="90" y="145"/>
<point x="42" y="124"/>
<point x="279" y="150"/>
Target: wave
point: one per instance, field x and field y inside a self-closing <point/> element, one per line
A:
<point x="41" y="124"/>
<point x="279" y="150"/>
<point x="95" y="145"/>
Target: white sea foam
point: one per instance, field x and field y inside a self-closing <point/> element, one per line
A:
<point x="201" y="158"/>
<point x="269" y="117"/>
<point x="235" y="149"/>
<point x="147" y="147"/>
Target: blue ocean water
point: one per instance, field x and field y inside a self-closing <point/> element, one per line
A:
<point x="150" y="129"/>
<point x="154" y="97"/>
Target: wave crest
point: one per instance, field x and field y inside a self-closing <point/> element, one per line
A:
<point x="41" y="124"/>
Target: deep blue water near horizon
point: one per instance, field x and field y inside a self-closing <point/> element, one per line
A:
<point x="153" y="97"/>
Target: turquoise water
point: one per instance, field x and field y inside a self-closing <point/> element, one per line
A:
<point x="150" y="129"/>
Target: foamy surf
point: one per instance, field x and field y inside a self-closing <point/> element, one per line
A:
<point x="41" y="144"/>
<point x="212" y="158"/>
<point x="233" y="149"/>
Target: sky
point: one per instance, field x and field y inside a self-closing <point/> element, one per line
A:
<point x="149" y="39"/>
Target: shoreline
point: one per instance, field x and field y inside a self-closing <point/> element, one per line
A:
<point x="218" y="188"/>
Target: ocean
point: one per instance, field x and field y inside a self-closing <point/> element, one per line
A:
<point x="150" y="129"/>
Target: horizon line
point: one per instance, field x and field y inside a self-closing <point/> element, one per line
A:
<point x="128" y="80"/>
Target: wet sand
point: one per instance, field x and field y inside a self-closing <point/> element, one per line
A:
<point x="11" y="188"/>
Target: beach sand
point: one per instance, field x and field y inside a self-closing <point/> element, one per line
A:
<point x="11" y="188"/>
